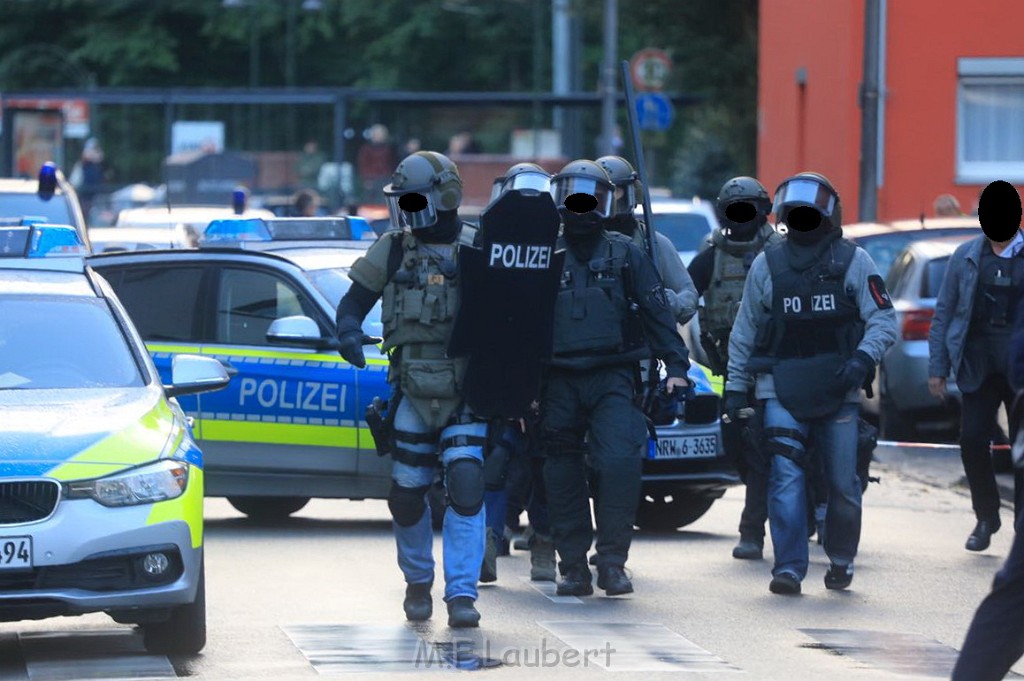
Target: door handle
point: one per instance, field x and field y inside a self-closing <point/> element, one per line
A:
<point x="228" y="367"/>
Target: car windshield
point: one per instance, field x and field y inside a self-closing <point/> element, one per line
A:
<point x="686" y="231"/>
<point x="883" y="248"/>
<point x="63" y="342"/>
<point x="55" y="210"/>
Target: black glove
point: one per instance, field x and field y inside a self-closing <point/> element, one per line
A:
<point x="735" y="401"/>
<point x="855" y="372"/>
<point x="350" y="347"/>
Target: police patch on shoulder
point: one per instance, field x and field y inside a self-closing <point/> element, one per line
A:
<point x="878" y="293"/>
<point x="658" y="296"/>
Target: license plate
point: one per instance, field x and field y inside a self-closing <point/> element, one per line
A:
<point x="683" y="447"/>
<point x="15" y="553"/>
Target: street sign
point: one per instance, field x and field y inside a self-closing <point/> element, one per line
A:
<point x="650" y="68"/>
<point x="654" y="111"/>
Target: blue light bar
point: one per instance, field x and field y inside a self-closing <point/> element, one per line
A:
<point x="235" y="229"/>
<point x="42" y="246"/>
<point x="349" y="228"/>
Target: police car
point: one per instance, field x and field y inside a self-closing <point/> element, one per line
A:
<point x="101" y="482"/>
<point x="260" y="296"/>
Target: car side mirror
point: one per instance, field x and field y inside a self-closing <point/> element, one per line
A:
<point x="191" y="374"/>
<point x="299" y="330"/>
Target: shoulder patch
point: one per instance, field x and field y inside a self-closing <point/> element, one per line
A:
<point x="878" y="293"/>
<point x="659" y="297"/>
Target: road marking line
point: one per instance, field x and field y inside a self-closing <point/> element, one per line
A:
<point x="548" y="589"/>
<point x="636" y="647"/>
<point x="91" y="654"/>
<point x="347" y="648"/>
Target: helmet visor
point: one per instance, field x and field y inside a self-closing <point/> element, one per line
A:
<point x="534" y="182"/>
<point x="801" y="192"/>
<point x="412" y="209"/>
<point x="625" y="198"/>
<point x="565" y="186"/>
<point x="496" y="187"/>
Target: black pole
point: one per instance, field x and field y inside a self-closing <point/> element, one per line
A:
<point x="638" y="154"/>
<point x="868" y="200"/>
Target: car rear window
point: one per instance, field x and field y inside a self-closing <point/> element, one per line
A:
<point x="55" y="210"/>
<point x="883" y="248"/>
<point x="63" y="342"/>
<point x="931" y="282"/>
<point x="686" y="231"/>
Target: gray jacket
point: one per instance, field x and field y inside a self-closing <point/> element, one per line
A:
<point x="682" y="294"/>
<point x="879" y="323"/>
<point x="953" y="309"/>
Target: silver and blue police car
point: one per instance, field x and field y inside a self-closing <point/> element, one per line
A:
<point x="101" y="482"/>
<point x="260" y="296"/>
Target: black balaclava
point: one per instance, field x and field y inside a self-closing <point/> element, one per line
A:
<point x="441" y="232"/>
<point x="623" y="223"/>
<point x="742" y="221"/>
<point x="581" y="231"/>
<point x="808" y="237"/>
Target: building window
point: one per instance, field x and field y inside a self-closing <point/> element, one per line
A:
<point x="990" y="120"/>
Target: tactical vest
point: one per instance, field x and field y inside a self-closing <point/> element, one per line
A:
<point x="998" y="292"/>
<point x="594" y="314"/>
<point x="732" y="261"/>
<point x="418" y="309"/>
<point x="814" y="327"/>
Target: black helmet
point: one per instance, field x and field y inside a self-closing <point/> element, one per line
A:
<point x="423" y="184"/>
<point x="735" y="201"/>
<point x="810" y="190"/>
<point x="584" y="177"/>
<point x="626" y="180"/>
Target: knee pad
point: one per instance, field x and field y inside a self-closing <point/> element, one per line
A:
<point x="407" y="504"/>
<point x="464" y="481"/>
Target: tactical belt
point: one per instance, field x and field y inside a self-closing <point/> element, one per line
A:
<point x="463" y="441"/>
<point x="791" y="433"/>
<point x="417" y="459"/>
<point x="794" y="454"/>
<point x="415" y="438"/>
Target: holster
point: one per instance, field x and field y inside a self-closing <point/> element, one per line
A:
<point x="716" y="362"/>
<point x="380" y="419"/>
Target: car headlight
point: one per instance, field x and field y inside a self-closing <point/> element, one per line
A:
<point x="160" y="481"/>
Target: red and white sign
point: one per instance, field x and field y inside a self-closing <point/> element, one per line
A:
<point x="650" y="68"/>
<point x="76" y="112"/>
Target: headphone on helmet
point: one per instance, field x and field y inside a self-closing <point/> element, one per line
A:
<point x="447" y="182"/>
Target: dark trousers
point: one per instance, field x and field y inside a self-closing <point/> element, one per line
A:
<point x="995" y="640"/>
<point x="979" y="412"/>
<point x="597" y="404"/>
<point x="743" y="445"/>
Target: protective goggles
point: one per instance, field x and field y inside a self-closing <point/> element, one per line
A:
<point x="414" y="210"/>
<point x="804" y="192"/>
<point x="625" y="198"/>
<point x="564" y="186"/>
<point x="527" y="181"/>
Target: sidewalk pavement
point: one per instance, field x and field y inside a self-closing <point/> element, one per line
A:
<point x="938" y="465"/>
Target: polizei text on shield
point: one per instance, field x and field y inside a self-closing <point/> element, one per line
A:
<point x="520" y="256"/>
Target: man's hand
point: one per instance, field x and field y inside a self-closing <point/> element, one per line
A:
<point x="853" y="374"/>
<point x="737" y="406"/>
<point x="937" y="386"/>
<point x="350" y="347"/>
<point x="672" y="383"/>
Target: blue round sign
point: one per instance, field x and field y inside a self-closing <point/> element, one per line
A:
<point x="654" y="111"/>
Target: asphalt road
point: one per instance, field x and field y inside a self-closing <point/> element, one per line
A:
<point x="321" y="595"/>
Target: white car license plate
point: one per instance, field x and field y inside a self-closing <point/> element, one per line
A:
<point x="684" y="447"/>
<point x="15" y="553"/>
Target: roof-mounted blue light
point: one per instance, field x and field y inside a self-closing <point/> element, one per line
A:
<point x="220" y="232"/>
<point x="239" y="199"/>
<point x="235" y="229"/>
<point x="48" y="181"/>
<point x="42" y="246"/>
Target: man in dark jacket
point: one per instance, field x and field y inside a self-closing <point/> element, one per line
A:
<point x="995" y="640"/>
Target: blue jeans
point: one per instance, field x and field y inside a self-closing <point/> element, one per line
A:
<point x="836" y="440"/>
<point x="463" y="536"/>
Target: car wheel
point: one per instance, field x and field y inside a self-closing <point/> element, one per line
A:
<point x="184" y="632"/>
<point x="268" y="508"/>
<point x="438" y="503"/>
<point x="668" y="509"/>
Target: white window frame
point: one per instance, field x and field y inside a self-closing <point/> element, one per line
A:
<point x="985" y="71"/>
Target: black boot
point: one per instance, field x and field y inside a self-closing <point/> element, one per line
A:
<point x="748" y="549"/>
<point x="981" y="537"/>
<point x="577" y="581"/>
<point x="462" y="613"/>
<point x="613" y="579"/>
<point x="418" y="604"/>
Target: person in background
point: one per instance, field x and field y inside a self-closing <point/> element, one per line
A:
<point x="305" y="203"/>
<point x="374" y="163"/>
<point x="308" y="166"/>
<point x="946" y="205"/>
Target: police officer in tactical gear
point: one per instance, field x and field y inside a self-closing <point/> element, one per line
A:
<point x="682" y="296"/>
<point x="719" y="273"/>
<point x="414" y="269"/>
<point x="610" y="305"/>
<point x="814" y="320"/>
<point x="970" y="339"/>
